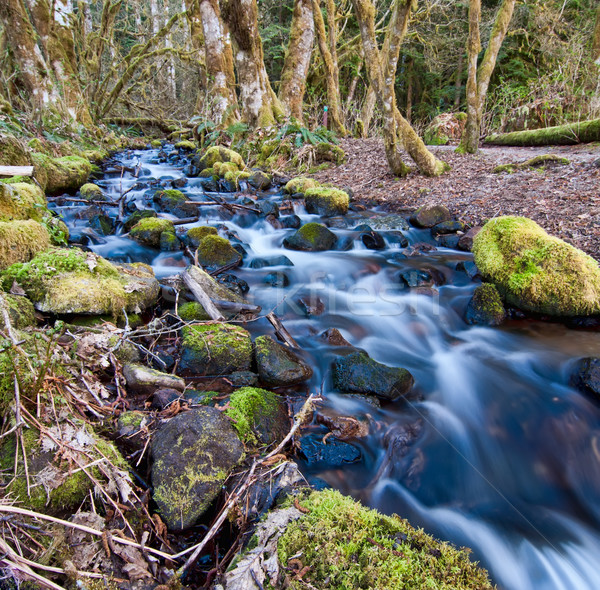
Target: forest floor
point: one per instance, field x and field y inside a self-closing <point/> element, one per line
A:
<point x="563" y="199"/>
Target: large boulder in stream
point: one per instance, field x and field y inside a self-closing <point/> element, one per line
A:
<point x="215" y="349"/>
<point x="312" y="237"/>
<point x="58" y="175"/>
<point x="193" y="455"/>
<point x="358" y="373"/>
<point x="535" y="271"/>
<point x="326" y="201"/>
<point x="215" y="251"/>
<point x="279" y="365"/>
<point x="148" y="231"/>
<point x="175" y="202"/>
<point x="70" y="281"/>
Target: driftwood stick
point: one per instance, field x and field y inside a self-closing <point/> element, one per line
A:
<point x="201" y="296"/>
<point x="221" y="269"/>
<point x="85" y="201"/>
<point x="237" y="307"/>
<point x="281" y="330"/>
<point x="184" y="220"/>
<point x="16" y="170"/>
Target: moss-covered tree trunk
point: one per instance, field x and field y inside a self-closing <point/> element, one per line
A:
<point x="571" y="134"/>
<point x="219" y="63"/>
<point x="297" y="59"/>
<point x="34" y="75"/>
<point x="382" y="71"/>
<point x="331" y="75"/>
<point x="479" y="78"/>
<point x="259" y="104"/>
<point x="194" y="21"/>
<point x="596" y="39"/>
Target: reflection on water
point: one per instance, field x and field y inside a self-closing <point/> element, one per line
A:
<point x="494" y="451"/>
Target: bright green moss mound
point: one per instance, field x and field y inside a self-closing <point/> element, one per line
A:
<point x="21" y="200"/>
<point x="20" y="241"/>
<point x="192" y="311"/>
<point x="326" y="201"/>
<point x="149" y="229"/>
<point x="300" y="185"/>
<point x="220" y="154"/>
<point x="60" y="174"/>
<point x="535" y="271"/>
<point x="196" y="234"/>
<point x="217" y="251"/>
<point x="348" y="547"/>
<point x="92" y="192"/>
<point x="248" y="406"/>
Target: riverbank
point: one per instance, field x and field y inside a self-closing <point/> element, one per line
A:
<point x="563" y="199"/>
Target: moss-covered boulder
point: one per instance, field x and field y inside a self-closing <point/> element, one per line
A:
<point x="20" y="241"/>
<point x="21" y="200"/>
<point x="259" y="416"/>
<point x="220" y="154"/>
<point x="326" y="201"/>
<point x="535" y="271"/>
<point x="328" y="152"/>
<point x="136" y="217"/>
<point x="57" y="175"/>
<point x="92" y="192"/>
<point x="311" y="237"/>
<point x="192" y="311"/>
<point x="485" y="307"/>
<point x="186" y="145"/>
<point x="357" y="373"/>
<point x="215" y="251"/>
<point x="344" y="545"/>
<point x="260" y="180"/>
<point x="175" y="202"/>
<point x="300" y="185"/>
<point x="430" y="215"/>
<point x="193" y="454"/>
<point x="148" y="231"/>
<point x="278" y="364"/>
<point x="215" y="349"/>
<point x="20" y="311"/>
<point x="13" y="152"/>
<point x="195" y="235"/>
<point x="70" y="281"/>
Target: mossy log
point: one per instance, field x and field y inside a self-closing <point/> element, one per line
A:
<point x="571" y="134"/>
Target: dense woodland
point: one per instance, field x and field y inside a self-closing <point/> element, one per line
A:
<point x="524" y="64"/>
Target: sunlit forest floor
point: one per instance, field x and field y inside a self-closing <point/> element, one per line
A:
<point x="562" y="198"/>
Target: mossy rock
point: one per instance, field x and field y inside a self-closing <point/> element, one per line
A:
<point x="300" y="185"/>
<point x="326" y="201"/>
<point x="345" y="545"/>
<point x="430" y="215"/>
<point x="215" y="349"/>
<point x="21" y="200"/>
<point x="57" y="488"/>
<point x="193" y="454"/>
<point x="220" y="154"/>
<point x="92" y="192"/>
<point x="357" y="373"/>
<point x="13" y="152"/>
<point x="148" y="230"/>
<point x="278" y="365"/>
<point x="20" y="311"/>
<point x="156" y="143"/>
<point x="175" y="202"/>
<point x="485" y="307"/>
<point x="215" y="251"/>
<point x="20" y="241"/>
<point x="185" y="145"/>
<point x="195" y="235"/>
<point x="234" y="177"/>
<point x="224" y="168"/>
<point x="535" y="271"/>
<point x="259" y="416"/>
<point x="169" y="242"/>
<point x="192" y="311"/>
<point x="96" y="156"/>
<point x="70" y="281"/>
<point x="328" y="152"/>
<point x="311" y="237"/>
<point x="57" y="175"/>
<point x="136" y="217"/>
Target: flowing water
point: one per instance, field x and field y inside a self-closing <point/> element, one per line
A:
<point x="493" y="451"/>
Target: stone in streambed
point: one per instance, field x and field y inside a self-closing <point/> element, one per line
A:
<point x="326" y="201"/>
<point x="430" y="215"/>
<point x="586" y="377"/>
<point x="278" y="365"/>
<point x="195" y="235"/>
<point x="271" y="261"/>
<point x="485" y="307"/>
<point x="465" y="242"/>
<point x="447" y="227"/>
<point x="193" y="454"/>
<point x="148" y="231"/>
<point x="357" y="373"/>
<point x="175" y="202"/>
<point x="215" y="251"/>
<point x="215" y="349"/>
<point x="312" y="237"/>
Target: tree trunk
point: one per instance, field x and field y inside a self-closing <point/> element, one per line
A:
<point x="409" y="90"/>
<point x="596" y="39"/>
<point x="34" y="75"/>
<point x="367" y="111"/>
<point x="260" y="107"/>
<point x="395" y="127"/>
<point x="570" y="134"/>
<point x="219" y="63"/>
<point x="297" y="59"/>
<point x="192" y="12"/>
<point x="458" y="81"/>
<point x="171" y="81"/>
<point x="479" y="78"/>
<point x="332" y="80"/>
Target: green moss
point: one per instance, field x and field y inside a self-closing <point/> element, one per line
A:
<point x="21" y="200"/>
<point x="217" y="251"/>
<point x="570" y="134"/>
<point x="92" y="192"/>
<point x="326" y="201"/>
<point x="60" y="174"/>
<point x="220" y="154"/>
<point x="348" y="546"/>
<point x="20" y="241"/>
<point x="247" y="406"/>
<point x="509" y="168"/>
<point x="186" y="145"/>
<point x="300" y="185"/>
<point x="156" y="143"/>
<point x="149" y="229"/>
<point x="192" y="311"/>
<point x="13" y="152"/>
<point x="169" y="197"/>
<point x="330" y="153"/>
<point x="169" y="241"/>
<point x="20" y="311"/>
<point x="196" y="234"/>
<point x="535" y="271"/>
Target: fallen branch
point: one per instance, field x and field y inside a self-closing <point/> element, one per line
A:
<point x="201" y="296"/>
<point x="16" y="170"/>
<point x="281" y="331"/>
<point x="571" y="134"/>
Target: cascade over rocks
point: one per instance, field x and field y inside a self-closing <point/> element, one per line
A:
<point x="193" y="454"/>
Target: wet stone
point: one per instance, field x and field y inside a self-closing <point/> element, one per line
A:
<point x="430" y="215"/>
<point x="465" y="242"/>
<point x="448" y="241"/>
<point x="586" y="377"/>
<point x="243" y="378"/>
<point x="396" y="237"/>
<point x="291" y="222"/>
<point x="312" y="305"/>
<point x="415" y="278"/>
<point x="271" y="261"/>
<point x="233" y="283"/>
<point x="164" y="397"/>
<point x="334" y="453"/>
<point x="469" y="268"/>
<point x="276" y="279"/>
<point x="447" y="227"/>
<point x="372" y="240"/>
<point x="278" y="364"/>
<point x="268" y="208"/>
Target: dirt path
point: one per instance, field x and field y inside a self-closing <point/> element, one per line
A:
<point x="565" y="200"/>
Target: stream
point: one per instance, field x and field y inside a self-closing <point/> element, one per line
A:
<point x="493" y="450"/>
